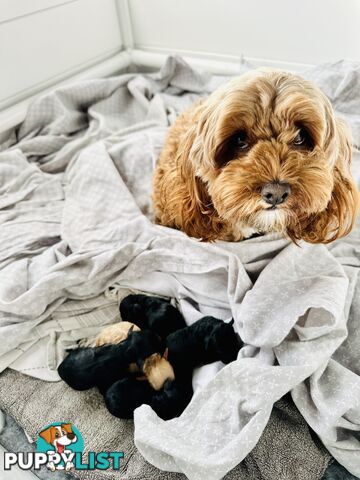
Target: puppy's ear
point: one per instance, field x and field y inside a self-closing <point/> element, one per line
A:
<point x="339" y="217"/>
<point x="166" y="353"/>
<point x="48" y="435"/>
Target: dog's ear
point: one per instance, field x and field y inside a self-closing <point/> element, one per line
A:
<point x="130" y="330"/>
<point x="198" y="216"/>
<point x="339" y="217"/>
<point x="212" y="346"/>
<point x="48" y="435"/>
<point x="67" y="427"/>
<point x="166" y="353"/>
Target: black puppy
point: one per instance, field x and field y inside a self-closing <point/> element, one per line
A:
<point x="124" y="396"/>
<point x="127" y="394"/>
<point x="205" y="341"/>
<point x="173" y="399"/>
<point x="100" y="367"/>
<point x="153" y="313"/>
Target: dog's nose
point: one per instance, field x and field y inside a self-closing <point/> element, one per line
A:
<point x="275" y="193"/>
<point x="71" y="436"/>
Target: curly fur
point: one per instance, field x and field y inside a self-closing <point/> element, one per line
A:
<point x="210" y="190"/>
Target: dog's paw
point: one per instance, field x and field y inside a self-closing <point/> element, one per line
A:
<point x="69" y="466"/>
<point x="51" y="466"/>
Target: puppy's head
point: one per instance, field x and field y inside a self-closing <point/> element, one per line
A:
<point x="270" y="154"/>
<point x="132" y="308"/>
<point x="140" y="345"/>
<point x="221" y="342"/>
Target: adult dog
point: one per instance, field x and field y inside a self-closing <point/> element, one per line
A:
<point x="263" y="153"/>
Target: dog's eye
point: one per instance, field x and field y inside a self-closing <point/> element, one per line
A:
<point x="300" y="138"/>
<point x="303" y="139"/>
<point x="241" y="141"/>
<point x="57" y="435"/>
<point x="232" y="148"/>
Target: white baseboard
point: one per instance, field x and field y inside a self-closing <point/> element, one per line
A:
<point x="214" y="63"/>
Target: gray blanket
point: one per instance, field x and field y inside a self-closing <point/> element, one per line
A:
<point x="285" y="451"/>
<point x="75" y="214"/>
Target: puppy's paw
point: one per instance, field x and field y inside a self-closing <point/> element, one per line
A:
<point x="51" y="466"/>
<point x="116" y="333"/>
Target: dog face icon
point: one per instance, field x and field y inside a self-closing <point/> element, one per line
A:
<point x="59" y="437"/>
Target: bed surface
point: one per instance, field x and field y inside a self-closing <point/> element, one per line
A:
<point x="286" y="451"/>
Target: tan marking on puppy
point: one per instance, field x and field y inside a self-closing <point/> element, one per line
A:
<point x="115" y="333"/>
<point x="157" y="370"/>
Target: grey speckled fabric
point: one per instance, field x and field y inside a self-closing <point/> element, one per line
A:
<point x="285" y="451"/>
<point x="75" y="220"/>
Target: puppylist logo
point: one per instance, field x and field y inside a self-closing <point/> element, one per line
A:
<point x="60" y="446"/>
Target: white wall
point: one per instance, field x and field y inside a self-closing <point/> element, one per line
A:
<point x="294" y="31"/>
<point x="44" y="41"/>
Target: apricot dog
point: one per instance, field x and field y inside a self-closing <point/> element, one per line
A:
<point x="263" y="153"/>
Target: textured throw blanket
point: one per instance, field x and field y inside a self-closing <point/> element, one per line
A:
<point x="76" y="222"/>
<point x="285" y="450"/>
